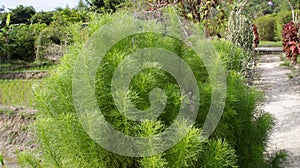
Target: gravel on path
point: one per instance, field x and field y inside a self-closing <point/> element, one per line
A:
<point x="282" y="100"/>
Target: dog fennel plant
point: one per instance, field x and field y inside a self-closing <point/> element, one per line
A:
<point x="239" y="139"/>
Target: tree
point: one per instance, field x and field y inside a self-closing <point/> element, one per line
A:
<point x="81" y="5"/>
<point x="42" y="17"/>
<point x="108" y="5"/>
<point x="2" y="16"/>
<point x="5" y="33"/>
<point x="2" y="9"/>
<point x="22" y="14"/>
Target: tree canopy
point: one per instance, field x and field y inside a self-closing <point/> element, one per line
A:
<point x="21" y="14"/>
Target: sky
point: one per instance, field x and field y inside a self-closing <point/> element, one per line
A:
<point x="39" y="5"/>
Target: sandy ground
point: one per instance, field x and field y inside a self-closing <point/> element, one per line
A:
<point x="282" y="99"/>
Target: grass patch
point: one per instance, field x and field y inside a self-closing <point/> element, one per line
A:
<point x="285" y="63"/>
<point x="16" y="92"/>
<point x="21" y="67"/>
<point x="6" y="111"/>
<point x="1" y="160"/>
<point x="39" y="69"/>
<point x="270" y="44"/>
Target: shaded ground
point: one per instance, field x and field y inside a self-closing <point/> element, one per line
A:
<point x="282" y="99"/>
<point x="15" y="132"/>
<point x="25" y="75"/>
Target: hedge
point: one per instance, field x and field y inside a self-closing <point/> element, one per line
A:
<point x="266" y="28"/>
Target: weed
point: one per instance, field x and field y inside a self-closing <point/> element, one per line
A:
<point x="238" y="140"/>
<point x="285" y="63"/>
<point x="270" y="44"/>
<point x="27" y="159"/>
<point x="290" y="76"/>
<point x="1" y="160"/>
<point x="7" y="111"/>
<point x="277" y="159"/>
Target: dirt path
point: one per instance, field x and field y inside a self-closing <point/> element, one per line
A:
<point x="282" y="99"/>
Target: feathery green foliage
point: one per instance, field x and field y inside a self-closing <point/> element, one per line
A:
<point x="218" y="153"/>
<point x="238" y="140"/>
<point x="233" y="58"/>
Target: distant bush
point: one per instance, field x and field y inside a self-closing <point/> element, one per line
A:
<point x="233" y="57"/>
<point x="105" y="6"/>
<point x="2" y="48"/>
<point x="283" y="18"/>
<point x="52" y="41"/>
<point x="42" y="17"/>
<point x="20" y="44"/>
<point x="266" y="27"/>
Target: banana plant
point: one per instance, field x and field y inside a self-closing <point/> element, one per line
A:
<point x="5" y="30"/>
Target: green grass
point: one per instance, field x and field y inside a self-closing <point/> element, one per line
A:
<point x="1" y="160"/>
<point x="285" y="63"/>
<point x="7" y="111"/>
<point x="5" y="65"/>
<point x="17" y="66"/>
<point x="40" y="68"/>
<point x="16" y="92"/>
<point x="270" y="44"/>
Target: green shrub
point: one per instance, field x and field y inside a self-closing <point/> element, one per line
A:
<point x="28" y="159"/>
<point x="20" y="45"/>
<point x="218" y="153"/>
<point x="244" y="132"/>
<point x="233" y="58"/>
<point x="53" y="40"/>
<point x="283" y="18"/>
<point x="2" y="48"/>
<point x="266" y="27"/>
<point x="42" y="17"/>
<point x="277" y="159"/>
<point x="240" y="31"/>
<point x="105" y="6"/>
<point x="49" y="38"/>
<point x="239" y="138"/>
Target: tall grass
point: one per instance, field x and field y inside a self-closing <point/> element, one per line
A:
<point x="16" y="92"/>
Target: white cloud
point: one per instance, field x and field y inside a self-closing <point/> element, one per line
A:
<point x="39" y="5"/>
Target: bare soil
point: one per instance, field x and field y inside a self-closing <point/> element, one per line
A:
<point x="25" y="75"/>
<point x="16" y="135"/>
<point x="281" y="85"/>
